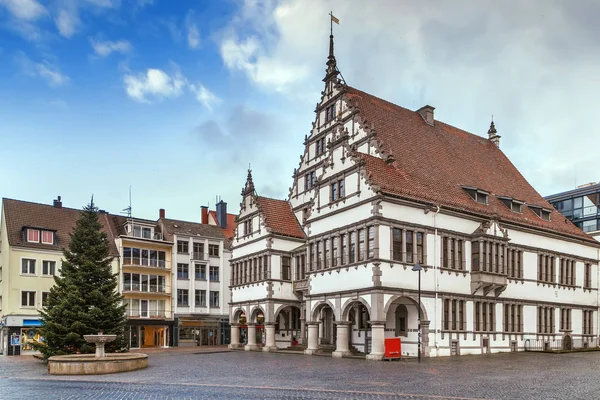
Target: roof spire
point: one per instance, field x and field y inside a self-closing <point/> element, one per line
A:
<point x="332" y="70"/>
<point x="493" y="134"/>
<point x="249" y="187"/>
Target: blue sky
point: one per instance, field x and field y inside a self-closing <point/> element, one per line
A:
<point x="176" y="98"/>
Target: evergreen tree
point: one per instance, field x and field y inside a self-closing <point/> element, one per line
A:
<point x="84" y="299"/>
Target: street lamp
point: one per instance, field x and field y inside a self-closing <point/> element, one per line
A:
<point x="417" y="267"/>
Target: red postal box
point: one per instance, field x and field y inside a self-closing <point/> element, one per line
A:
<point x="393" y="348"/>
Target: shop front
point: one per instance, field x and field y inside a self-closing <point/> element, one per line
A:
<point x="145" y="334"/>
<point x="18" y="334"/>
<point x="208" y="331"/>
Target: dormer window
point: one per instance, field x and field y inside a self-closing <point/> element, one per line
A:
<point x="47" y="237"/>
<point x="512" y="204"/>
<point x="480" y="196"/>
<point x="543" y="213"/>
<point x="33" y="235"/>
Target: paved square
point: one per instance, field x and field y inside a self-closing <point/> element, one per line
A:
<point x="241" y="375"/>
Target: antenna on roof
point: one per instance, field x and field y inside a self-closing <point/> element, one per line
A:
<point x="127" y="210"/>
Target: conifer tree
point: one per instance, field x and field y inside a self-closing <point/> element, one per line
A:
<point x="84" y="299"/>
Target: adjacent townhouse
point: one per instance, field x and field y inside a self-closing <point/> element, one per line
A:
<point x="580" y="205"/>
<point x="398" y="225"/>
<point x="32" y="239"/>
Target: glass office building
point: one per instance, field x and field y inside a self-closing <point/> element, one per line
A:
<point x="580" y="205"/>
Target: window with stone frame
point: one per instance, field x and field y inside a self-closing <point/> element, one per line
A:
<point x="330" y="113"/>
<point x="28" y="298"/>
<point x="565" y="319"/>
<point x="214" y="298"/>
<point x="485" y="316"/>
<point x="261" y="274"/>
<point x="545" y="323"/>
<point x="266" y="267"/>
<point x="567" y="272"/>
<point x="183" y="271"/>
<point x="514" y="263"/>
<point x="588" y="322"/>
<point x="371" y="242"/>
<point x="587" y="276"/>
<point x="327" y="248"/>
<point x="28" y="266"/>
<point x="320" y="146"/>
<point x="214" y="273"/>
<point x="334" y="250"/>
<point x="513" y="318"/>
<point x="452" y="253"/>
<point x="286" y="268"/>
<point x="344" y="240"/>
<point x="255" y="269"/>
<point x="361" y="245"/>
<point x="200" y="298"/>
<point x="488" y="256"/>
<point x="319" y="254"/>
<point x="454" y="315"/>
<point x="352" y="253"/>
<point x="213" y="250"/>
<point x="408" y="246"/>
<point x="311" y="257"/>
<point x="182" y="297"/>
<point x="546" y="268"/>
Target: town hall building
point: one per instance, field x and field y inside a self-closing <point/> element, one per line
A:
<point x="384" y="198"/>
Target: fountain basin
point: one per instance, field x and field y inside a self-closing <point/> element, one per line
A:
<point x="89" y="364"/>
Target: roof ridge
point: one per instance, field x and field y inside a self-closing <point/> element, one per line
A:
<point x="41" y="204"/>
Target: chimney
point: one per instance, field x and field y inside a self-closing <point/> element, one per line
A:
<point x="161" y="213"/>
<point x="427" y="114"/>
<point x="222" y="214"/>
<point x="57" y="203"/>
<point x="204" y="215"/>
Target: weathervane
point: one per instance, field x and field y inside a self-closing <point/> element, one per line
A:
<point x="333" y="19"/>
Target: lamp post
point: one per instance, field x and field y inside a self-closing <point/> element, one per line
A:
<point x="418" y="268"/>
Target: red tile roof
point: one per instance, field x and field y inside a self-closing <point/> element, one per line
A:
<point x="279" y="217"/>
<point x="229" y="230"/>
<point x="434" y="163"/>
<point x="19" y="214"/>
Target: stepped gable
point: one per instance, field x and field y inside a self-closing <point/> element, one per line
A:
<point x="432" y="164"/>
<point x="279" y="218"/>
<point x="19" y="214"/>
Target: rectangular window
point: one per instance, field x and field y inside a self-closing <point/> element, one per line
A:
<point x="587" y="278"/>
<point x="327" y="245"/>
<point x="352" y="256"/>
<point x="334" y="247"/>
<point x="182" y="297"/>
<point x="286" y="268"/>
<point x="341" y="188"/>
<point x="213" y="250"/>
<point x="545" y="320"/>
<point x="200" y="272"/>
<point x="330" y="113"/>
<point x="182" y="247"/>
<point x="27" y="266"/>
<point x="344" y="249"/>
<point x="334" y="191"/>
<point x="33" y="235"/>
<point x="485" y="318"/>
<point x="47" y="237"/>
<point x="371" y="242"/>
<point x="565" y="318"/>
<point x="409" y="246"/>
<point x="306" y="181"/>
<point x="320" y="146"/>
<point x="45" y="298"/>
<point x="588" y="322"/>
<point x="546" y="268"/>
<point x="214" y="273"/>
<point x="183" y="271"/>
<point x="255" y="274"/>
<point x="214" y="299"/>
<point x="200" y="298"/>
<point x="319" y="255"/>
<point x="266" y="267"/>
<point x="48" y="268"/>
<point x="361" y="245"/>
<point x="453" y="314"/>
<point x="27" y="299"/>
<point x="512" y="318"/>
<point x="397" y="244"/>
<point x="420" y="253"/>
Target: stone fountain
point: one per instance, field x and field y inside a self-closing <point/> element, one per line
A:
<point x="100" y="363"/>
<point x="100" y="340"/>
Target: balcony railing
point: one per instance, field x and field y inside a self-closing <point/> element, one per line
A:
<point x="150" y="314"/>
<point x="146" y="235"/>
<point x="145" y="288"/>
<point x="145" y="262"/>
<point x="196" y="255"/>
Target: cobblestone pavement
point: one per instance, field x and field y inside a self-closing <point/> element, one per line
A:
<point x="241" y="375"/>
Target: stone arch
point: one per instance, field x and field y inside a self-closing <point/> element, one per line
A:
<point x="348" y="306"/>
<point x="317" y="308"/>
<point x="282" y="307"/>
<point x="412" y="299"/>
<point x="254" y="313"/>
<point x="237" y="314"/>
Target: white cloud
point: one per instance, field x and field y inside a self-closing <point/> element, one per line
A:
<point x="66" y="22"/>
<point x="105" y="3"/>
<point x="154" y="83"/>
<point x="105" y="48"/>
<point x="193" y="34"/>
<point x="45" y="70"/>
<point x="29" y="10"/>
<point x="205" y="96"/>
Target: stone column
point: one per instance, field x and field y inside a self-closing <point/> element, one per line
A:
<point x="251" y="338"/>
<point x="302" y="330"/>
<point x="425" y="349"/>
<point x="313" y="336"/>
<point x="377" y="341"/>
<point x="342" y="348"/>
<point x="270" y="337"/>
<point x="235" y="336"/>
